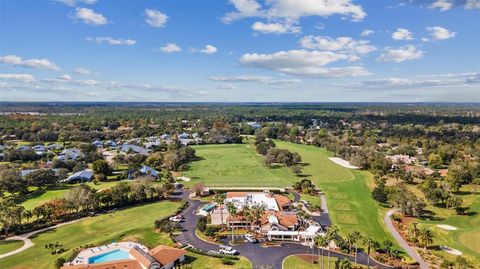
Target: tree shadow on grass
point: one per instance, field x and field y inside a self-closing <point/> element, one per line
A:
<point x="40" y="192"/>
<point x="189" y="259"/>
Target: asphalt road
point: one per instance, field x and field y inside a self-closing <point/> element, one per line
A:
<point x="410" y="251"/>
<point x="257" y="254"/>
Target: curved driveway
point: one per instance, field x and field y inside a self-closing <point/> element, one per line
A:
<point x="410" y="251"/>
<point x="257" y="254"/>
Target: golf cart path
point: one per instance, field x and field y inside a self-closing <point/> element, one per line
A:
<point x="410" y="251"/>
<point x="26" y="238"/>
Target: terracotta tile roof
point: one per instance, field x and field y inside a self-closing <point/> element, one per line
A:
<point x="281" y="200"/>
<point x="142" y="257"/>
<point x="166" y="255"/>
<point x="232" y="194"/>
<point x="284" y="219"/>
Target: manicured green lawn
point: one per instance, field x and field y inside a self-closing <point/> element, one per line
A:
<point x="467" y="236"/>
<point x="236" y="165"/>
<point x="205" y="262"/>
<point x="294" y="262"/>
<point x="35" y="199"/>
<point x="348" y="196"/>
<point x="130" y="224"/>
<point x="312" y="200"/>
<point x="7" y="246"/>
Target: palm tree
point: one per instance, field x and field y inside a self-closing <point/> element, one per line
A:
<point x="232" y="210"/>
<point x="257" y="211"/>
<point x="370" y="243"/>
<point x="425" y="236"/>
<point x="219" y="198"/>
<point x="414" y="224"/>
<point x="350" y="239"/>
<point x="28" y="215"/>
<point x="320" y="243"/>
<point x="247" y="213"/>
<point x="331" y="235"/>
<point x="343" y="264"/>
<point x="358" y="236"/>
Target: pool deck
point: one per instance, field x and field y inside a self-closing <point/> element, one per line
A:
<point x="84" y="255"/>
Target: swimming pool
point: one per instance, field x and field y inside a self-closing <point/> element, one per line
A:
<point x="114" y="255"/>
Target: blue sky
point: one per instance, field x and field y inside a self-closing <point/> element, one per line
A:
<point x="240" y="50"/>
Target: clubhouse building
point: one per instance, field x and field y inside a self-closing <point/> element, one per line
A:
<point x="277" y="222"/>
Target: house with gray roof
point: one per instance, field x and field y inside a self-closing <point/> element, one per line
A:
<point x="128" y="148"/>
<point x="70" y="154"/>
<point x="81" y="176"/>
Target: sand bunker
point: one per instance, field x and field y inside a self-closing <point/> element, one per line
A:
<point x="447" y="227"/>
<point x="342" y="162"/>
<point x="186" y="179"/>
<point x="451" y="250"/>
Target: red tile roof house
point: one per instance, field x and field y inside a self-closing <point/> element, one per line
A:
<point x="161" y="257"/>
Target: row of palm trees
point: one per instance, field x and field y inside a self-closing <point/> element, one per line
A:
<point x="352" y="239"/>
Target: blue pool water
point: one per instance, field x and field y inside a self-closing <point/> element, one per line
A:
<point x="114" y="255"/>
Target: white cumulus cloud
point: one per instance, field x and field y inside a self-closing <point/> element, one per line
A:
<point x="275" y="28"/>
<point x="155" y="18"/>
<point x="75" y="2"/>
<point x="112" y="41"/>
<point x="290" y="10"/>
<point x="440" y="33"/>
<point x="30" y="63"/>
<point x="89" y="16"/>
<point x="303" y="63"/>
<point x="401" y="54"/>
<point x="208" y="49"/>
<point x="170" y="48"/>
<point x="18" y="77"/>
<point x="83" y="71"/>
<point x="344" y="43"/>
<point x="442" y="5"/>
<point x="367" y="32"/>
<point x="402" y="34"/>
<point x="472" y="4"/>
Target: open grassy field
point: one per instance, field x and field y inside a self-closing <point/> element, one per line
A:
<point x="205" y="262"/>
<point x="347" y="191"/>
<point x="7" y="246"/>
<point x="37" y="198"/>
<point x="467" y="236"/>
<point x="236" y="165"/>
<point x="134" y="224"/>
<point x="295" y="262"/>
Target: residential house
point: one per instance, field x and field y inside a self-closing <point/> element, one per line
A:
<point x="70" y="154"/>
<point x="81" y="176"/>
<point x="147" y="170"/>
<point x="128" y="148"/>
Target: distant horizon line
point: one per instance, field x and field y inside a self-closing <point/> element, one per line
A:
<point x="234" y="102"/>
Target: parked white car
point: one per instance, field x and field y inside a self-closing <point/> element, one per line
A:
<point x="250" y="238"/>
<point x="227" y="250"/>
<point x="175" y="219"/>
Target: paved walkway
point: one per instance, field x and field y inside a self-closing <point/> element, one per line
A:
<point x="26" y="238"/>
<point x="257" y="254"/>
<point x="404" y="244"/>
